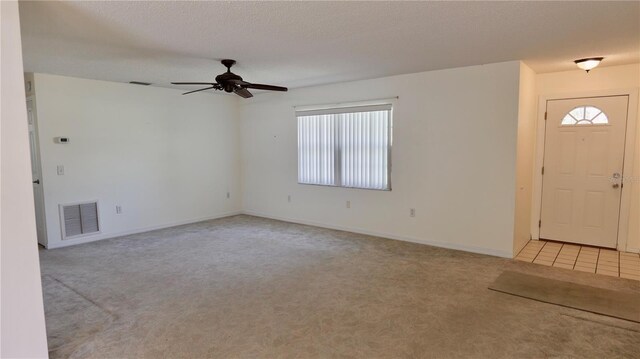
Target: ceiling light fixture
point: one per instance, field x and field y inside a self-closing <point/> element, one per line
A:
<point x="588" y="64"/>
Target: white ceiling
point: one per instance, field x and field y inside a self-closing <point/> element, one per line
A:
<point x="307" y="43"/>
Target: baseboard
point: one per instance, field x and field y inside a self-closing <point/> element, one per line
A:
<point x="480" y="250"/>
<point x="72" y="242"/>
<point x="460" y="247"/>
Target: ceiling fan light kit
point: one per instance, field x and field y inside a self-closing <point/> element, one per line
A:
<point x="230" y="82"/>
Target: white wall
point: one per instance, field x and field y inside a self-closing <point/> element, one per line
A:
<point x="166" y="159"/>
<point x="22" y="328"/>
<point x="454" y="151"/>
<point x="570" y="83"/>
<point x="527" y="110"/>
<point x="454" y="156"/>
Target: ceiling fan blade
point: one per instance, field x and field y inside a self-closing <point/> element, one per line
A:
<point x="193" y="83"/>
<point x="265" y="87"/>
<point x="206" y="88"/>
<point x="243" y="92"/>
<point x="238" y="82"/>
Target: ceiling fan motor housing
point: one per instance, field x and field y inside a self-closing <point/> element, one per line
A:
<point x="226" y="79"/>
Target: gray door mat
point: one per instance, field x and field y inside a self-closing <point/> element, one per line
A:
<point x="617" y="304"/>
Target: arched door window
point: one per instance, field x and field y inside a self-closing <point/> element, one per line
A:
<point x="585" y="115"/>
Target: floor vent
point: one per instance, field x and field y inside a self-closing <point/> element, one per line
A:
<point x="79" y="219"/>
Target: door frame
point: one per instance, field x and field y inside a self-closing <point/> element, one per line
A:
<point x="627" y="167"/>
<point x="39" y="198"/>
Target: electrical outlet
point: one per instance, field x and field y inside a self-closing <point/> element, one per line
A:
<point x="118" y="209"/>
<point x="412" y="212"/>
<point x="228" y="195"/>
<point x="60" y="170"/>
<point x="289" y="198"/>
<point x="348" y="204"/>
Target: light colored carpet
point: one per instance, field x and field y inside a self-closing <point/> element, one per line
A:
<point x="246" y="287"/>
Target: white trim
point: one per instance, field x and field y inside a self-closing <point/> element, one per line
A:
<point x="343" y="110"/>
<point x="627" y="171"/>
<point x="370" y="102"/>
<point x="629" y="150"/>
<point x="36" y="126"/>
<point x="472" y="249"/>
<point x="460" y="247"/>
<point x="73" y="241"/>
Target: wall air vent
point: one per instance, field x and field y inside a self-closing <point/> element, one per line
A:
<point x="140" y="83"/>
<point x="79" y="219"/>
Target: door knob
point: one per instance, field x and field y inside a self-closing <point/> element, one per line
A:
<point x="614" y="178"/>
<point x="36" y="181"/>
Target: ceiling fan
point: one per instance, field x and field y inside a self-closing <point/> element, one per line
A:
<point x="230" y="82"/>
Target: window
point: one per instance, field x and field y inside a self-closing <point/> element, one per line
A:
<point x="585" y="115"/>
<point x="346" y="147"/>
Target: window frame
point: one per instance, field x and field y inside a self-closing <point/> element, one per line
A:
<point x="584" y="121"/>
<point x="351" y="108"/>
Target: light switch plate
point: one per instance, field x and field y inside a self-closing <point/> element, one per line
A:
<point x="60" y="170"/>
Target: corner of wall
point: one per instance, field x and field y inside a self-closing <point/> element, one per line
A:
<point x="186" y="165"/>
<point x="525" y="157"/>
<point x="240" y="154"/>
<point x="22" y="320"/>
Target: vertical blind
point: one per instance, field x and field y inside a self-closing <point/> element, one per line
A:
<point x="348" y="147"/>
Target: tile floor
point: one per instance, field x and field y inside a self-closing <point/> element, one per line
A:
<point x="582" y="258"/>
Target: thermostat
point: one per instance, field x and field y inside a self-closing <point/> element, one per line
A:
<point x="61" y="139"/>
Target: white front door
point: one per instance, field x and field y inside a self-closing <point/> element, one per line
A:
<point x="38" y="194"/>
<point x="582" y="174"/>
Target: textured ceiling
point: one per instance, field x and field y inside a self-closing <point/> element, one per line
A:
<point x="307" y="43"/>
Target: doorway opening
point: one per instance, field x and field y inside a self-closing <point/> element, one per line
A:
<point x="36" y="172"/>
<point x="583" y="192"/>
<point x="582" y="170"/>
